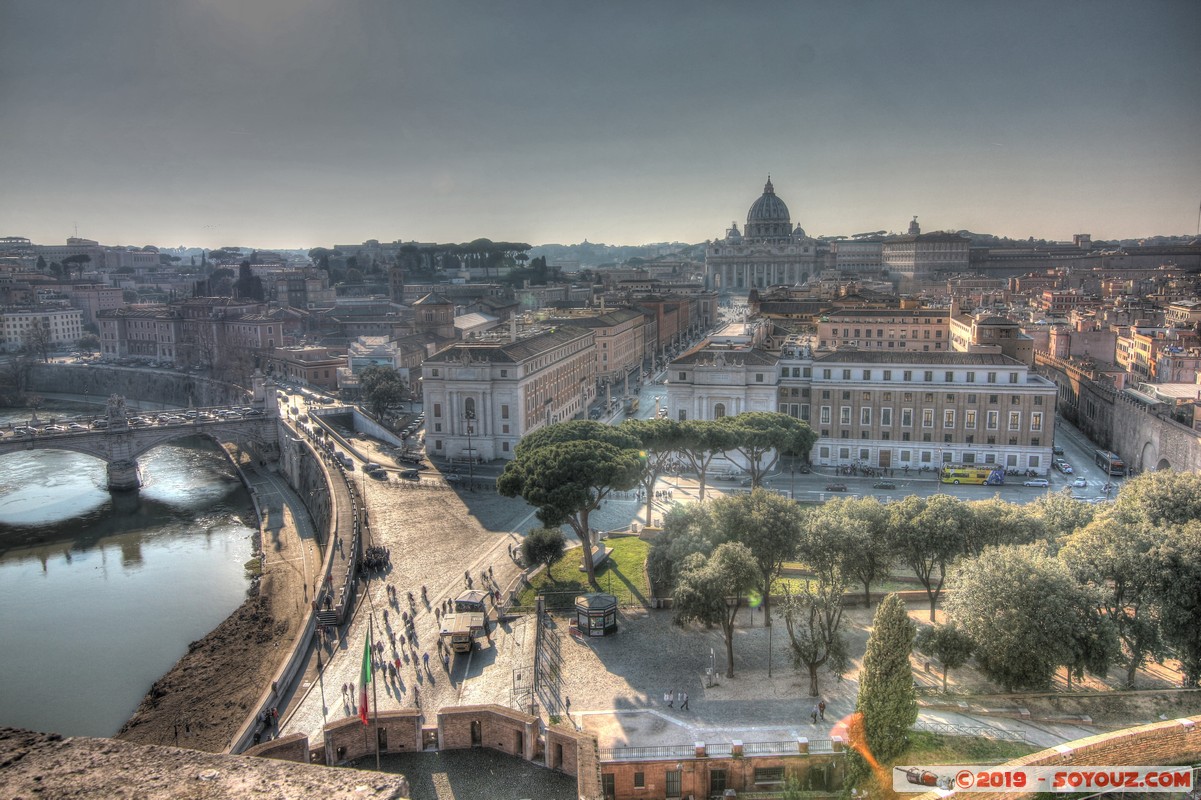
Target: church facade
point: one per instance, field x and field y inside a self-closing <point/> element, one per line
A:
<point x="769" y="251"/>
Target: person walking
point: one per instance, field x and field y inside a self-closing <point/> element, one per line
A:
<point x="813" y="715"/>
<point x="683" y="701"/>
<point x="668" y="697"/>
<point x="821" y="709"/>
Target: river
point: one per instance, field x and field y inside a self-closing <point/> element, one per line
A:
<point x="101" y="594"/>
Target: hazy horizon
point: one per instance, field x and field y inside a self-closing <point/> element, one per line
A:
<point x="302" y="123"/>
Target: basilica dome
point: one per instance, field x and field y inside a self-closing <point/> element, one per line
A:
<point x="768" y="217"/>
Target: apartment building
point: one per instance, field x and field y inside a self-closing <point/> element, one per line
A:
<point x="26" y="327"/>
<point x="879" y="408"/>
<point x="923" y="330"/>
<point x="480" y="398"/>
<point x="620" y="340"/>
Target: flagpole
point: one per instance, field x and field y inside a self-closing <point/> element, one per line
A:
<point x="375" y="702"/>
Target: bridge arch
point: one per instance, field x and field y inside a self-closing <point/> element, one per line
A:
<point x="1148" y="456"/>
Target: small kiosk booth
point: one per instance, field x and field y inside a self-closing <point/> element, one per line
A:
<point x="596" y="614"/>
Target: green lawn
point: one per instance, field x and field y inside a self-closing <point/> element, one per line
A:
<point x="620" y="575"/>
<point x="927" y="749"/>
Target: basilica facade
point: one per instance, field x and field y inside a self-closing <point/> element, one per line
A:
<point x="769" y="251"/>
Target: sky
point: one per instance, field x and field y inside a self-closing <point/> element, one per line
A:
<point x="302" y="123"/>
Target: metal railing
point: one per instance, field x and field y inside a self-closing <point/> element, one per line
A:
<point x="662" y="752"/>
<point x="1000" y="734"/>
<point x="714" y="750"/>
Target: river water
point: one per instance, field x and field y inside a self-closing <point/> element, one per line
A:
<point x="101" y="594"/>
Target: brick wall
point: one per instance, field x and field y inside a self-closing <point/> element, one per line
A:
<point x="293" y="747"/>
<point x="1176" y="741"/>
<point x="494" y="727"/>
<point x="401" y="733"/>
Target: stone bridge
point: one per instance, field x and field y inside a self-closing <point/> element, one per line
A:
<point x="121" y="439"/>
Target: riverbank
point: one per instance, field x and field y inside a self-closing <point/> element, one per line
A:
<point x="204" y="699"/>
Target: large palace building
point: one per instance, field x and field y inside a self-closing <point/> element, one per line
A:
<point x="769" y="252"/>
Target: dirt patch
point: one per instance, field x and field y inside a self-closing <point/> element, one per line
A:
<point x="204" y="699"/>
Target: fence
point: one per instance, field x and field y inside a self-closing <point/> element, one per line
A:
<point x="999" y="734"/>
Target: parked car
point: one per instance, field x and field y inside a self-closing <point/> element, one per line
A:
<point x="1057" y="450"/>
<point x="1063" y="467"/>
<point x="836" y="487"/>
<point x="411" y="475"/>
<point x="1037" y="483"/>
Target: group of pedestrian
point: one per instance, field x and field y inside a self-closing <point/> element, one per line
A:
<point x="671" y="697"/>
<point x="818" y="710"/>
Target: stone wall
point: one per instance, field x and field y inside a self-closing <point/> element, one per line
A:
<point x="293" y="747"/>
<point x="1176" y="741"/>
<point x="1148" y="440"/>
<point x="167" y="387"/>
<point x="494" y="727"/>
<point x="397" y="731"/>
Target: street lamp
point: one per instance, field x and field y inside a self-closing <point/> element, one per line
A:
<point x="469" y="417"/>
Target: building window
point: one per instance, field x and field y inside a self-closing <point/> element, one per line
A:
<point x="825" y="374"/>
<point x="469" y="409"/>
<point x="907" y="375"/>
<point x="865" y="416"/>
<point x="504" y="428"/>
<point x="906" y="417"/>
<point x="1013" y="377"/>
<point x="433" y="373"/>
<point x="887" y="374"/>
<point x="886" y="417"/>
<point x="844" y="415"/>
<point x="639" y="780"/>
<point x="846" y="374"/>
<point x="1036" y="421"/>
<point x="683" y="415"/>
<point x="992" y="377"/>
<point x="437" y="427"/>
<point x="825" y="415"/>
<point x="758" y="377"/>
<point x="437" y="409"/>
<point x="1015" y="420"/>
<point x="948" y="418"/>
<point x="719" y="411"/>
<point x="949" y="377"/>
<point x="969" y="419"/>
<point x="504" y="412"/>
<point x="504" y="446"/>
<point x="971" y="377"/>
<point x="824" y="452"/>
<point x="1035" y="462"/>
<point x="504" y="373"/>
<point x="927" y="418"/>
<point x="867" y="374"/>
<point x="671" y="781"/>
<point x="683" y="376"/>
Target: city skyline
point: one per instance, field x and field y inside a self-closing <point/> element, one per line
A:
<point x="297" y="124"/>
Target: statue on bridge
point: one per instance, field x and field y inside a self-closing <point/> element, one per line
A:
<point x="116" y="412"/>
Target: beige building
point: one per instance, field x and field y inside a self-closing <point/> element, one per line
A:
<point x="480" y="398"/>
<point x="883" y="409"/>
<point x="22" y="326"/>
<point x="620" y="340"/>
<point x="144" y="332"/>
<point x="910" y="329"/>
<point x="918" y="255"/>
<point x="988" y="333"/>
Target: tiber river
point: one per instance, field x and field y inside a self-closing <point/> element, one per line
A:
<point x="100" y="594"/>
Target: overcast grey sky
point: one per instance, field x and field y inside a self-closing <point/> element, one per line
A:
<point x="290" y="123"/>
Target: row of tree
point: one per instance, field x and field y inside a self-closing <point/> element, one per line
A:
<point x="566" y="470"/>
<point x="1045" y="579"/>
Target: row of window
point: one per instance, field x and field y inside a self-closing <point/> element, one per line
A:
<point x="948" y="376"/>
<point x="928" y="457"/>
<point x="992" y="418"/>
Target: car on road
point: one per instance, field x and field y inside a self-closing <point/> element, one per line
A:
<point x="1063" y="466"/>
<point x="1080" y="483"/>
<point x="836" y="487"/>
<point x="1037" y="483"/>
<point x="1057" y="450"/>
<point x="410" y="475"/>
<point x="884" y="485"/>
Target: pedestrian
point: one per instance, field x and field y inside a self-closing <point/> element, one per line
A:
<point x="684" y="701"/>
<point x="567" y="704"/>
<point x="821" y="710"/>
<point x="425" y="660"/>
<point x="668" y="697"/>
<point x="813" y="715"/>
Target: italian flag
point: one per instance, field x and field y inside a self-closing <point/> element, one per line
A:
<point x="365" y="678"/>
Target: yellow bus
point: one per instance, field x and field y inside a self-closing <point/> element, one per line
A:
<point x="982" y="476"/>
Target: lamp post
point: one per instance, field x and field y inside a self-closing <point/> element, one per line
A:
<point x="469" y="417"/>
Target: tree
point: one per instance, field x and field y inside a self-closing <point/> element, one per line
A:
<point x="41" y="264"/>
<point x="948" y="643"/>
<point x="687" y="529"/>
<point x="658" y="438"/>
<point x="77" y="260"/>
<point x="89" y="342"/>
<point x="1176" y="593"/>
<point x="543" y="546"/>
<point x="1061" y="514"/>
<point x="248" y="286"/>
<point x="1093" y="644"/>
<point x="709" y="591"/>
<point x="567" y="469"/>
<point x="860" y="541"/>
<point x="926" y="534"/>
<point x="1117" y="560"/>
<point x="382" y="388"/>
<point x="1160" y="498"/>
<point x="887" y="705"/>
<point x="37" y="340"/>
<point x="762" y="436"/>
<point x="994" y="522"/>
<point x="700" y="442"/>
<point x="769" y="525"/>
<point x="1020" y="606"/>
<point x="813" y="619"/>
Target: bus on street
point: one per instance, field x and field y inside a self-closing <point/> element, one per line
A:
<point x="972" y="474"/>
<point x="1113" y="466"/>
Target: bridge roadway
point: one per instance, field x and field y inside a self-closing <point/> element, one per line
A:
<point x="119" y="440"/>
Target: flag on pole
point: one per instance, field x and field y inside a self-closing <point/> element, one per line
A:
<point x="365" y="678"/>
